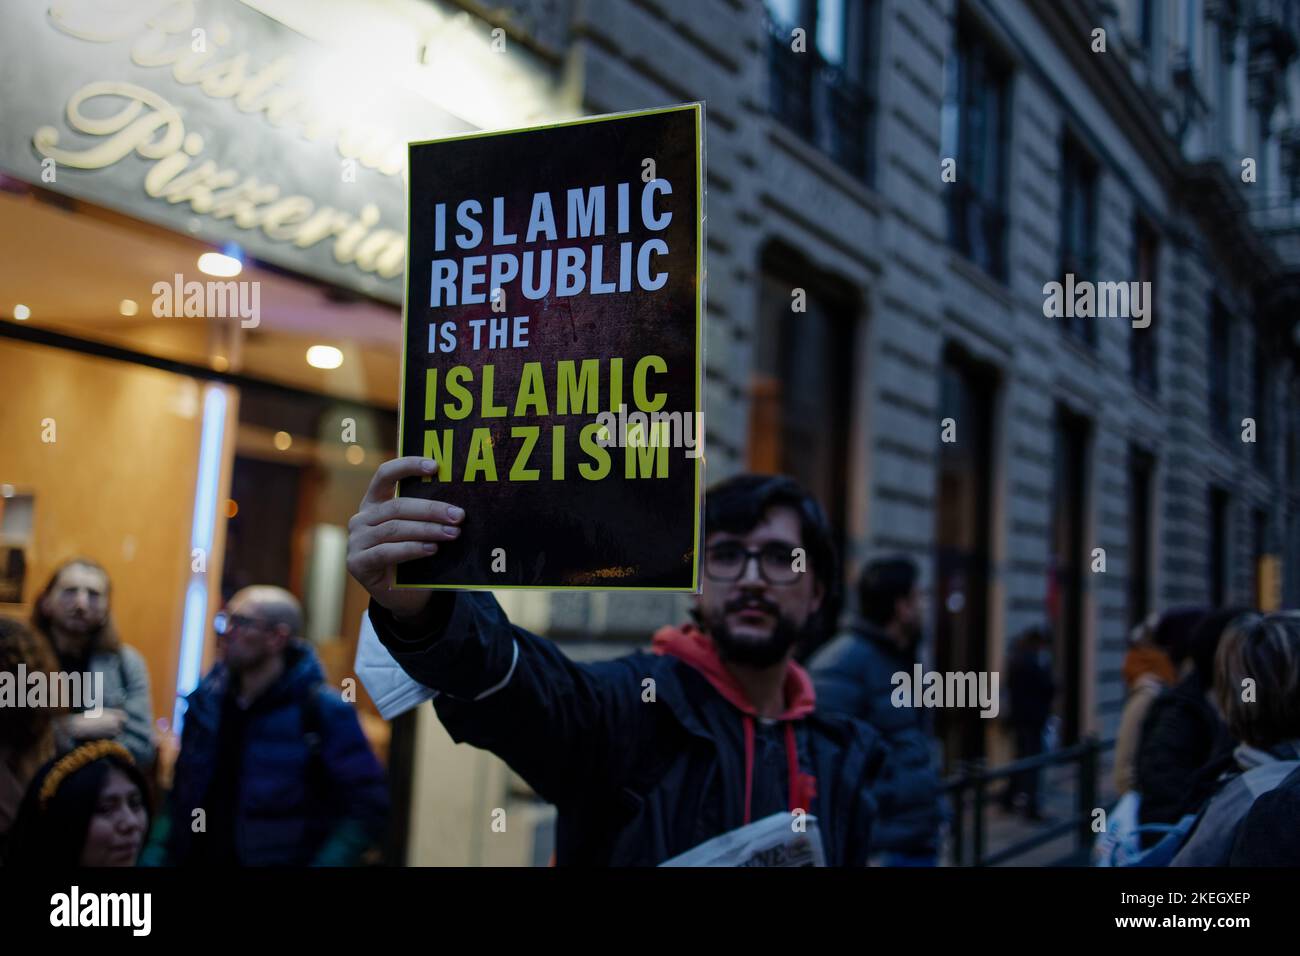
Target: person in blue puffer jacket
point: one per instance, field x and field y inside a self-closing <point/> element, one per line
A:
<point x="853" y="675"/>
<point x="272" y="756"/>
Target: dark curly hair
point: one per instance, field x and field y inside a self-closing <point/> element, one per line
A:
<point x="24" y="729"/>
<point x="738" y="505"/>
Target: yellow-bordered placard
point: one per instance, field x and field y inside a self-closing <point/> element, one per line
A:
<point x="484" y="190"/>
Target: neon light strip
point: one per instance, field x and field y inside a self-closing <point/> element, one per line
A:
<point x="195" y="617"/>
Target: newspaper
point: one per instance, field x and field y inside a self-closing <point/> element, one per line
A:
<point x="772" y="841"/>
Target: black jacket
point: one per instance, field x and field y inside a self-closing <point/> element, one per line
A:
<point x="853" y="675"/>
<point x="1270" y="834"/>
<point x="291" y="800"/>
<point x="638" y="771"/>
<point x="1032" y="689"/>
<point x="1181" y="734"/>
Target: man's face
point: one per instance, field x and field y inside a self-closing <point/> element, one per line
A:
<point x="250" y="639"/>
<point x="78" y="602"/>
<point x="759" y="616"/>
<point x="910" y="614"/>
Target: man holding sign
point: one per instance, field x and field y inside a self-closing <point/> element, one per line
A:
<point x="552" y="356"/>
<point x="650" y="756"/>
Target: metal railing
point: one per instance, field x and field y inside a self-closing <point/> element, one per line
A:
<point x="969" y="791"/>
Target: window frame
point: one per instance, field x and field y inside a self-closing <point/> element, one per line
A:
<point x="981" y="190"/>
<point x="830" y="105"/>
<point x="1078" y="161"/>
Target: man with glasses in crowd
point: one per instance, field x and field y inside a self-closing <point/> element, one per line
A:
<point x="274" y="769"/>
<point x="649" y="755"/>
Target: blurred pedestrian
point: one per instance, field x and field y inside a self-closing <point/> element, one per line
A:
<point x="1257" y="689"/>
<point x="1032" y="690"/>
<point x="1149" y="668"/>
<point x="89" y="807"/>
<point x="651" y="756"/>
<point x="853" y="675"/>
<point x="273" y="757"/>
<point x="26" y="733"/>
<point x="72" y="611"/>
<point x="1183" y="731"/>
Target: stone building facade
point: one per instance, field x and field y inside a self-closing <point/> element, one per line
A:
<point x="1165" y="148"/>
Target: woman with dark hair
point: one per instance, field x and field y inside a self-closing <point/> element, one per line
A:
<point x="1183" y="730"/>
<point x="87" y="808"/>
<point x="26" y="733"/>
<point x="1157" y="648"/>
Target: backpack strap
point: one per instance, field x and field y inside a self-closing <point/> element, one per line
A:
<point x="313" y="724"/>
<point x="312" y="721"/>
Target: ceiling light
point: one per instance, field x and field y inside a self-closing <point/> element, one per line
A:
<point x="324" y="356"/>
<point x="216" y="264"/>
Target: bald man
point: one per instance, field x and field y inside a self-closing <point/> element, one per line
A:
<point x="272" y="755"/>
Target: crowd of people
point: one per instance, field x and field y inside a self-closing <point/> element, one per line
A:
<point x="1208" y="749"/>
<point x="716" y="727"/>
<point x="273" y="767"/>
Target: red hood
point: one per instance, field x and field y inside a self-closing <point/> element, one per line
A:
<point x="691" y="645"/>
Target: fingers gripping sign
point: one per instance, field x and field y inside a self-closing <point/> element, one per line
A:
<point x="388" y="530"/>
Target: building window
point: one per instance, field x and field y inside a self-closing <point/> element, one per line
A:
<point x="1220" y="367"/>
<point x="1291" y="561"/>
<point x="1065" y="600"/>
<point x="1192" y="38"/>
<point x="962" y="540"/>
<point x="819" y="82"/>
<point x="1217" y="559"/>
<point x="1146" y="26"/>
<point x="1263" y="425"/>
<point x="1078" y="227"/>
<point x="801" y="392"/>
<point x="1142" y="342"/>
<point x="1259" y="521"/>
<point x="975" y="132"/>
<point x="1293" y="438"/>
<point x="1141" y="471"/>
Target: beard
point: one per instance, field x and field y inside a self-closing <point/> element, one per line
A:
<point x="764" y="653"/>
<point x="239" y="665"/>
<point x="913" y="634"/>
<point x="77" y="624"/>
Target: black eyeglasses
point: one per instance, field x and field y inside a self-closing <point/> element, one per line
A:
<point x="727" y="560"/>
<point x="227" y="623"/>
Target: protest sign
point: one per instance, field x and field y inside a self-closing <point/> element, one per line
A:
<point x="552" y="356"/>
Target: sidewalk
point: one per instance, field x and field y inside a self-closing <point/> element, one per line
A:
<point x="1057" y="802"/>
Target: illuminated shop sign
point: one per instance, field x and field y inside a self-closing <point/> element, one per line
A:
<point x="211" y="118"/>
